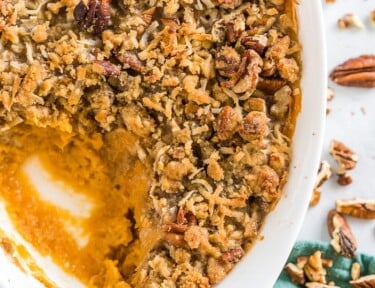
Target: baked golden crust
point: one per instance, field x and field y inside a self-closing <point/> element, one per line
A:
<point x="209" y="87"/>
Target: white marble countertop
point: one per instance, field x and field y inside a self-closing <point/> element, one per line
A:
<point x="352" y="121"/>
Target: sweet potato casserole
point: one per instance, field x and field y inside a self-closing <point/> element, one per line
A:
<point x="173" y="117"/>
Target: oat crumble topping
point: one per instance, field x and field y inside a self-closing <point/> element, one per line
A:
<point x="210" y="87"/>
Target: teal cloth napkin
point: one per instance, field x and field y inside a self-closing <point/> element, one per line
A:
<point x="339" y="272"/>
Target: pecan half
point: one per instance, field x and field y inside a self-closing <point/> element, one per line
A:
<point x="345" y="157"/>
<point x="364" y="282"/>
<point x="359" y="208"/>
<point x="343" y="240"/>
<point x="356" y="72"/>
<point x="95" y="14"/>
<point x="295" y="274"/>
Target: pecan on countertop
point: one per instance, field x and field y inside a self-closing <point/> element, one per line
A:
<point x="359" y="208"/>
<point x="343" y="240"/>
<point x="356" y="72"/>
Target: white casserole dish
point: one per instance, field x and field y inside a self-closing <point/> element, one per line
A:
<point x="261" y="267"/>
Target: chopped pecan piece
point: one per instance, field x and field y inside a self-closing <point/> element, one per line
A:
<point x="183" y="222"/>
<point x="372" y="17"/>
<point x="302" y="260"/>
<point x="234" y="31"/>
<point x="359" y="208"/>
<point x="233" y="255"/>
<point x="270" y="85"/>
<point x="250" y="78"/>
<point x="131" y="61"/>
<point x="180" y="216"/>
<point x="80" y="12"/>
<point x="109" y="68"/>
<point x="343" y="240"/>
<point x="330" y="94"/>
<point x="314" y="269"/>
<point x="324" y="173"/>
<point x="315" y="198"/>
<point x="282" y="99"/>
<point x="279" y="49"/>
<point x="364" y="282"/>
<point x="255" y="104"/>
<point x="242" y="70"/>
<point x="95" y="14"/>
<point x="345" y="157"/>
<point x="226" y="123"/>
<point x="355" y="271"/>
<point x="295" y="274"/>
<point x="228" y="62"/>
<point x="356" y="72"/>
<point x="172" y="23"/>
<point x="147" y="15"/>
<point x="256" y="42"/>
<point x="344" y="179"/>
<point x="175" y="228"/>
<point x="350" y="21"/>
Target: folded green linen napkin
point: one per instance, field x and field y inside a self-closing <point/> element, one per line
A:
<point x="339" y="272"/>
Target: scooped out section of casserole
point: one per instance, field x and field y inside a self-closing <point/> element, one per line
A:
<point x="143" y="143"/>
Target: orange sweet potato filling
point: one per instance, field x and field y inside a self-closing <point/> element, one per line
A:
<point x="83" y="163"/>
